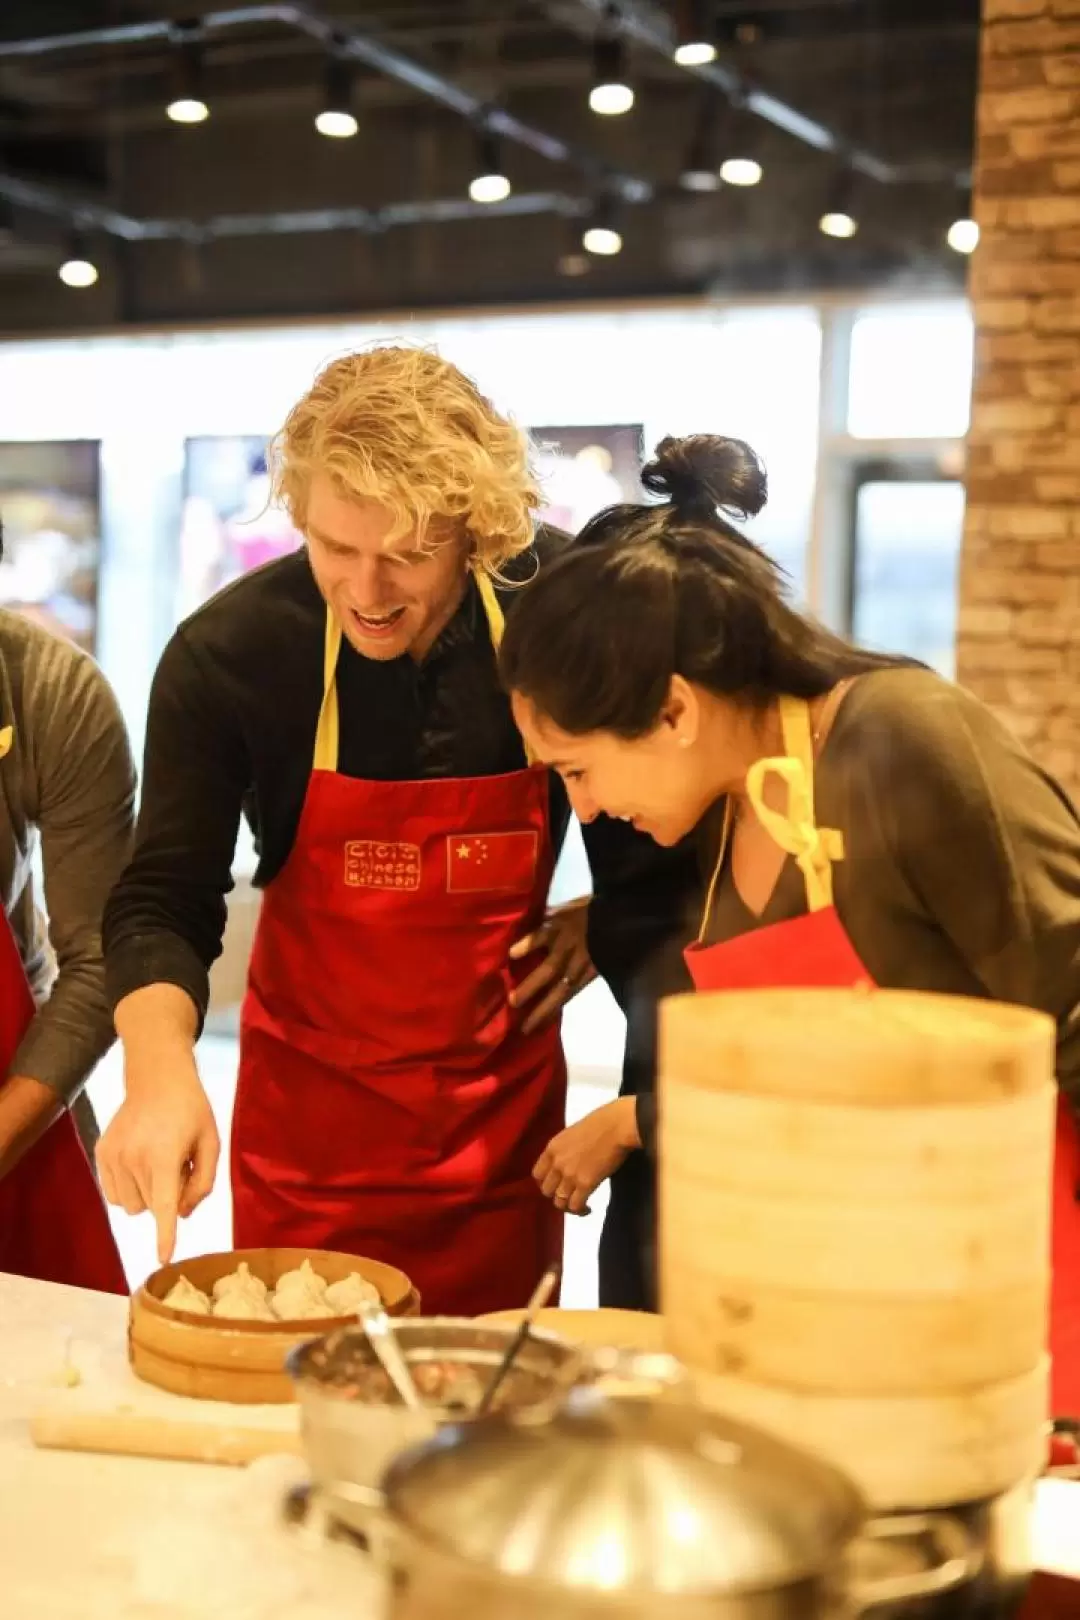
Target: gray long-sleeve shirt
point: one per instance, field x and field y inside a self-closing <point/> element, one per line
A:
<point x="66" y="779"/>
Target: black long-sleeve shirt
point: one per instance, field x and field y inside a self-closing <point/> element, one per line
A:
<point x="230" y="732"/>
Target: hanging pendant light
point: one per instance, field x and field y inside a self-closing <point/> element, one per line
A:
<point x="335" y="118"/>
<point x="188" y="103"/>
<point x="694" y="34"/>
<point x="490" y="183"/>
<point x="611" y="93"/>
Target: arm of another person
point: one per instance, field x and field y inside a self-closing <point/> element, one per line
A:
<point x="83" y="787"/>
<point x="644" y="905"/>
<point x="163" y="929"/>
<point x="642" y="893"/>
<point x="991" y="848"/>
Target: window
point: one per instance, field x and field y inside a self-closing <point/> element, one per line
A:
<point x="906" y="560"/>
<point x="763" y="386"/>
<point x="911" y="368"/>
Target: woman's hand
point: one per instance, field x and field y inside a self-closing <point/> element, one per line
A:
<point x="566" y="967"/>
<point x="575" y="1162"/>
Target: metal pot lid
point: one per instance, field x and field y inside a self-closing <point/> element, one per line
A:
<point x="617" y="1493"/>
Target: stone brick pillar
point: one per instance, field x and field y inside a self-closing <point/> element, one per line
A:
<point x="1019" y="627"/>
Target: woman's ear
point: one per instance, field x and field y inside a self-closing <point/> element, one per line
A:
<point x="680" y="716"/>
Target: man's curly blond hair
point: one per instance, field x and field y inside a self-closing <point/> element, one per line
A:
<point x="404" y="428"/>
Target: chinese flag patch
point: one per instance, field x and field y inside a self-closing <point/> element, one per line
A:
<point x="503" y="862"/>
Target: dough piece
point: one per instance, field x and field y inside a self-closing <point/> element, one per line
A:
<point x="184" y="1296"/>
<point x="241" y="1281"/>
<point x="346" y="1297"/>
<point x="243" y="1307"/>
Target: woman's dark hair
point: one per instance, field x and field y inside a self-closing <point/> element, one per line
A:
<point x="648" y="592"/>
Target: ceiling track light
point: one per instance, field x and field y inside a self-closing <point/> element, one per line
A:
<point x="601" y="235"/>
<point x="611" y="93"/>
<point x="701" y="168"/>
<point x="839" y="220"/>
<point x="695" y="34"/>
<point x="335" y="118"/>
<point x="490" y="184"/>
<point x="188" y="104"/>
<point x="738" y="169"/>
<point x="77" y="268"/>
<point x="963" y="234"/>
<point x="719" y="132"/>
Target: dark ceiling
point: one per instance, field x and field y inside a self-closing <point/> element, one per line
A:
<point x="253" y="213"/>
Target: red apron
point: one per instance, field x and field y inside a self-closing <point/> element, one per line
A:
<point x="814" y="950"/>
<point x="53" y="1222"/>
<point x="388" y="1104"/>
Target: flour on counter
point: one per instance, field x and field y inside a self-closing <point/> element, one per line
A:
<point x="240" y="1561"/>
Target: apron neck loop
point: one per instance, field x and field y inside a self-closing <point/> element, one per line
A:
<point x="327" y="735"/>
<point x="794" y="829"/>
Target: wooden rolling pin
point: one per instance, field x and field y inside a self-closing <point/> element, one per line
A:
<point x="134" y="1434"/>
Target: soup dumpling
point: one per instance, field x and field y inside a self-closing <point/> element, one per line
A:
<point x="241" y="1281"/>
<point x="241" y="1306"/>
<point x="346" y="1296"/>
<point x="184" y="1296"/>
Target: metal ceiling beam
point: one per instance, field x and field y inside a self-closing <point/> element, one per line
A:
<point x="359" y="46"/>
<point x="85" y="215"/>
<point x="653" y="27"/>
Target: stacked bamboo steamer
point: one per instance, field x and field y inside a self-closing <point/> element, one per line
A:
<point x="855" y="1228"/>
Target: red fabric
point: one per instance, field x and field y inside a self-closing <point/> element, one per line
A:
<point x="1065" y="1290"/>
<point x="53" y="1222"/>
<point x="806" y="953"/>
<point x="388" y="1103"/>
<point x="1051" y="1597"/>
<point x="814" y="951"/>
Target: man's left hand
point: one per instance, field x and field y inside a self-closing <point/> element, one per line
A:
<point x="565" y="969"/>
<point x="576" y="1161"/>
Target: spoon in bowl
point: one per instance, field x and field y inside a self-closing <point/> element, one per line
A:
<point x="384" y="1342"/>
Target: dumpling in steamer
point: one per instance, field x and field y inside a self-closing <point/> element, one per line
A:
<point x="346" y="1296"/>
<point x="304" y="1277"/>
<point x="296" y="1307"/>
<point x="300" y="1295"/>
<point x="243" y="1307"/>
<point x="184" y="1296"/>
<point x="241" y="1281"/>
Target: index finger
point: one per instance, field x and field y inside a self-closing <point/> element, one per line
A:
<point x="164" y="1204"/>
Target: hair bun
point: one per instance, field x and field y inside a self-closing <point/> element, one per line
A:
<point x="705" y="472"/>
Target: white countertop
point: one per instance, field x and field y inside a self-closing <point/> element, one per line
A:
<point x="117" y="1538"/>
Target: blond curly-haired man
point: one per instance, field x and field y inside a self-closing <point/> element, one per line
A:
<point x="401" y="1068"/>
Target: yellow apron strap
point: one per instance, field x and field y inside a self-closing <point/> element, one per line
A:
<point x="794" y="829"/>
<point x="495" y="619"/>
<point x="326" y="732"/>
<point x="496" y="626"/>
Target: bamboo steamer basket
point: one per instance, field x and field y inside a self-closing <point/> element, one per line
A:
<point x="215" y="1359"/>
<point x="874" y="1048"/>
<point x="909" y="1452"/>
<point x="855" y="1226"/>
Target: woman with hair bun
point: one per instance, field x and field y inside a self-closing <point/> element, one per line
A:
<point x="860" y="819"/>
